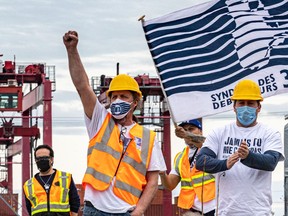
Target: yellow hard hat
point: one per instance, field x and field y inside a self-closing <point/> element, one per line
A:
<point x="247" y="90"/>
<point x="124" y="82"/>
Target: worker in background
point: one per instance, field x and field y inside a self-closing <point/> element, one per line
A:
<point x="190" y="200"/>
<point x="50" y="192"/>
<point x="123" y="158"/>
<point x="244" y="154"/>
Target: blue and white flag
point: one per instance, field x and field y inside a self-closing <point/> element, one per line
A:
<point x="202" y="52"/>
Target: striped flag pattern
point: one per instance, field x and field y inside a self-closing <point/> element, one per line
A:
<point x="201" y="52"/>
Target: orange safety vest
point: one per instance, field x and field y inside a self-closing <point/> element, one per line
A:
<point x="58" y="194"/>
<point x="193" y="182"/>
<point x="107" y="159"/>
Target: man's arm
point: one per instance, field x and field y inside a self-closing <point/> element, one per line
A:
<point x="169" y="181"/>
<point x="206" y="161"/>
<point x="28" y="205"/>
<point x="74" y="199"/>
<point x="148" y="193"/>
<point x="78" y="74"/>
<point x="267" y="161"/>
<point x="190" y="138"/>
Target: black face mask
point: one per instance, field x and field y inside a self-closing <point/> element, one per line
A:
<point x="43" y="165"/>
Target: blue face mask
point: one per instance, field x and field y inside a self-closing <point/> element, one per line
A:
<point x="246" y="115"/>
<point x="120" y="108"/>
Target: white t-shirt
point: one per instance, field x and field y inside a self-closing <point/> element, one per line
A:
<point x="244" y="191"/>
<point x="106" y="200"/>
<point x="207" y="206"/>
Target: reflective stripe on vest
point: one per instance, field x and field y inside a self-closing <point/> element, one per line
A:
<point x="105" y="138"/>
<point x="194" y="180"/>
<point x="100" y="176"/>
<point x="191" y="182"/>
<point x="128" y="188"/>
<point x="140" y="167"/>
<point x="30" y="192"/>
<point x="186" y="183"/>
<point x="53" y="208"/>
<point x="177" y="162"/>
<point x="106" y="142"/>
<point x="102" y="146"/>
<point x="64" y="183"/>
<point x="198" y="179"/>
<point x="61" y="205"/>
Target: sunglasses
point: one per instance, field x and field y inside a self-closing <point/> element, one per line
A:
<point x="42" y="158"/>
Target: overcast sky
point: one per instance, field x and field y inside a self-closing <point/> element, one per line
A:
<point x="109" y="32"/>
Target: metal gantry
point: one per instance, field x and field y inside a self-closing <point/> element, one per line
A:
<point x="23" y="88"/>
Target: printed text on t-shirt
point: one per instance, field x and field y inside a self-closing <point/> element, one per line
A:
<point x="231" y="145"/>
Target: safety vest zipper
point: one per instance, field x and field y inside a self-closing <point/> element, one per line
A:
<point x="48" y="199"/>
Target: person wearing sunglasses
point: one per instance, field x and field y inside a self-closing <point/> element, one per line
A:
<point x="50" y="192"/>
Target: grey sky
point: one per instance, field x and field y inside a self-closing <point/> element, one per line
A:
<point x="109" y="32"/>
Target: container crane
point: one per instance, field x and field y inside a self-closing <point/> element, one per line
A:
<point x="18" y="134"/>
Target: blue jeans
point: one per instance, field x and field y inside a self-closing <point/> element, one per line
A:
<point x="91" y="211"/>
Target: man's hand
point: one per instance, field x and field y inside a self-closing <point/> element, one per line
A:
<point x="136" y="213"/>
<point x="232" y="160"/>
<point x="73" y="213"/>
<point x="70" y="39"/>
<point x="148" y="194"/>
<point x="180" y="132"/>
<point x="243" y="150"/>
<point x="190" y="138"/>
<point x="195" y="137"/>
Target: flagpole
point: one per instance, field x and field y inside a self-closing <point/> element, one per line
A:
<point x="193" y="137"/>
<point x="167" y="195"/>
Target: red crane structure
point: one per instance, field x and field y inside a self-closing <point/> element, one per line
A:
<point x="152" y="112"/>
<point x="23" y="87"/>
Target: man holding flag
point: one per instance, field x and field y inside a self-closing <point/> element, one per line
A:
<point x="197" y="195"/>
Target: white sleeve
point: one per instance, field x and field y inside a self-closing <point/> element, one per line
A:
<point x="94" y="124"/>
<point x="211" y="141"/>
<point x="274" y="142"/>
<point x="173" y="171"/>
<point x="157" y="161"/>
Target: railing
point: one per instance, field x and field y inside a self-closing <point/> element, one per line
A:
<point x="3" y="166"/>
<point x="50" y="74"/>
<point x="8" y="202"/>
<point x="49" y="71"/>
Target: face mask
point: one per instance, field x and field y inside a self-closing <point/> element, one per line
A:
<point x="43" y="165"/>
<point x="246" y="115"/>
<point x="120" y="108"/>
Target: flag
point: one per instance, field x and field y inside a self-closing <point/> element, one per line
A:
<point x="201" y="52"/>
